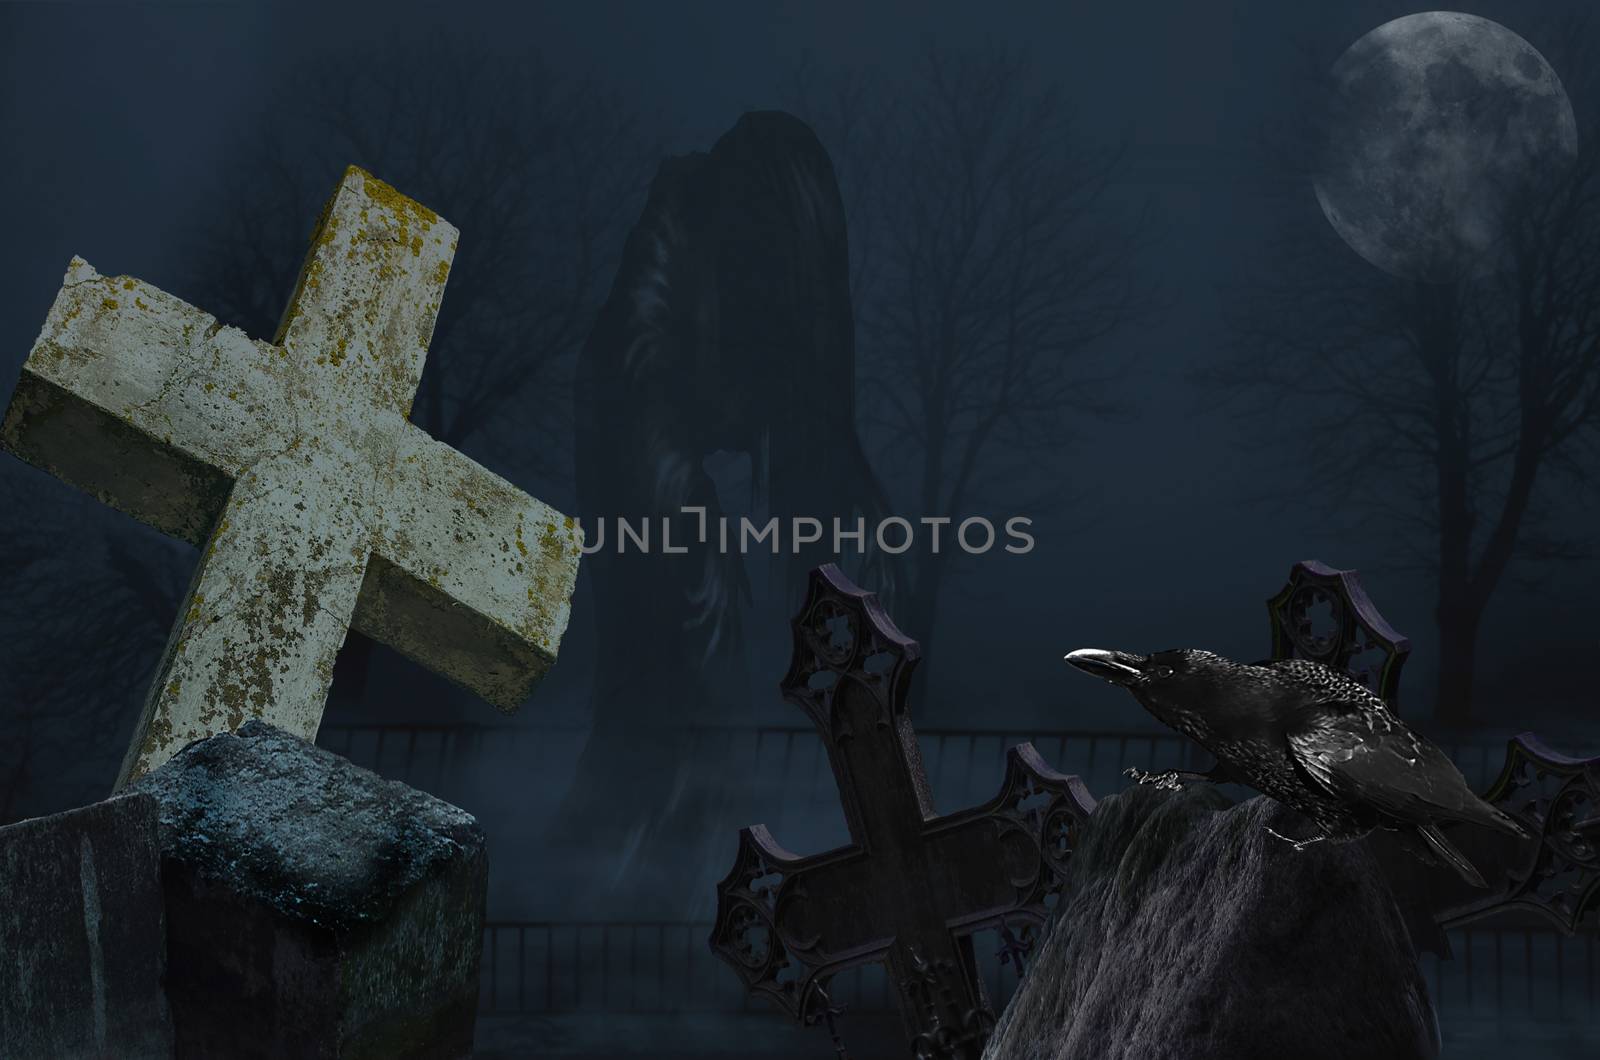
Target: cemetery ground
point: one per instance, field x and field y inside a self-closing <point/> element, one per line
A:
<point x="689" y="1037"/>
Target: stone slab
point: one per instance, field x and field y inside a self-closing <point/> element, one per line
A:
<point x="314" y="908"/>
<point x="83" y="935"/>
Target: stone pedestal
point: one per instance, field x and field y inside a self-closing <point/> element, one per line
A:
<point x="1189" y="933"/>
<point x="82" y="947"/>
<point x="314" y="908"/>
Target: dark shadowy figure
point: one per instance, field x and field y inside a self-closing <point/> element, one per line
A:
<point x="1309" y="736"/>
<point x="729" y="329"/>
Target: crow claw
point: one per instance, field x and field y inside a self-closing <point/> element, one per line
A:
<point x="1298" y="844"/>
<point x="1168" y="779"/>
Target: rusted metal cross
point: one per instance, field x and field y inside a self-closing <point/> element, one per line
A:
<point x="912" y="886"/>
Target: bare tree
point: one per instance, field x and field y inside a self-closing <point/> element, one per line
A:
<point x="540" y="172"/>
<point x="91" y="596"/>
<point x="1445" y="409"/>
<point x="846" y="109"/>
<point x="990" y="263"/>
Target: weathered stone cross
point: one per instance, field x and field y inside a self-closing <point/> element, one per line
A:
<point x="912" y="886"/>
<point x="318" y="505"/>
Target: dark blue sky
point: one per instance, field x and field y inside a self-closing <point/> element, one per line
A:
<point x="114" y="116"/>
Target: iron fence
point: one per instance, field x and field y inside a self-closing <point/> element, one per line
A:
<point x="1500" y="973"/>
<point x="1518" y="973"/>
<point x="656" y="967"/>
<point x="780" y="773"/>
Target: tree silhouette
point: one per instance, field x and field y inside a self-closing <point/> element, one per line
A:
<point x="988" y="264"/>
<point x="1446" y="409"/>
<point x="91" y="596"/>
<point x="540" y="172"/>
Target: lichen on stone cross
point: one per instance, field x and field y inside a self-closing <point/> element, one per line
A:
<point x="318" y="506"/>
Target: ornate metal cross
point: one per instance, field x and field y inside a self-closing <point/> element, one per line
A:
<point x="912" y="886"/>
<point x="1325" y="614"/>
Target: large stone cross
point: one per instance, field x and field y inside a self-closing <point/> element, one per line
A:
<point x="912" y="886"/>
<point x="317" y="505"/>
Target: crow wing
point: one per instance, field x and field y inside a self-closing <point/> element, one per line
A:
<point x="1356" y="752"/>
<point x="1321" y="683"/>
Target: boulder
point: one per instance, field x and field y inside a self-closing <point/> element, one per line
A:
<point x="1188" y="932"/>
<point x="82" y="939"/>
<point x="314" y="909"/>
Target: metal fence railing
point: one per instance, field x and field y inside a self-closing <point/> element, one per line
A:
<point x="780" y="775"/>
<point x="604" y="967"/>
<point x="655" y="967"/>
<point x="776" y="775"/>
<point x="962" y="764"/>
<point x="1518" y="973"/>
<point x="1500" y="973"/>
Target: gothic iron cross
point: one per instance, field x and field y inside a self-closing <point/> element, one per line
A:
<point x="1324" y="614"/>
<point x="317" y="504"/>
<point x="911" y="887"/>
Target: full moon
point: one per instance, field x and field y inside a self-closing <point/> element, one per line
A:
<point x="1433" y="116"/>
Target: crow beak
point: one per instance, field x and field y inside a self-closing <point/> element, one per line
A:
<point x="1118" y="667"/>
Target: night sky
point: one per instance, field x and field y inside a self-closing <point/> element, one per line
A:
<point x="115" y="117"/>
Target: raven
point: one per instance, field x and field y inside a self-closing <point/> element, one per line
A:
<point x="1310" y="737"/>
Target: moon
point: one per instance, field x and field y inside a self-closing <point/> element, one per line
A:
<point x="1433" y="116"/>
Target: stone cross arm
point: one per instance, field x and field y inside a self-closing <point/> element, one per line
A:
<point x="317" y="505"/>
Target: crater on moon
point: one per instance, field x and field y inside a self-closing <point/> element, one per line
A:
<point x="1433" y="117"/>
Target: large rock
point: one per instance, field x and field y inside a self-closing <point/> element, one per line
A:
<point x="82" y="941"/>
<point x="1190" y="933"/>
<point x="315" y="909"/>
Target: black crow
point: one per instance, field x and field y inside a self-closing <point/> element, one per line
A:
<point x="1307" y="735"/>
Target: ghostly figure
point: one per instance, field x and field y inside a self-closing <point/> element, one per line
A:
<point x="728" y="328"/>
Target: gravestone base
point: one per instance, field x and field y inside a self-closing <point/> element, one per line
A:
<point x="81" y="935"/>
<point x="315" y="909"/>
<point x="1187" y="932"/>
